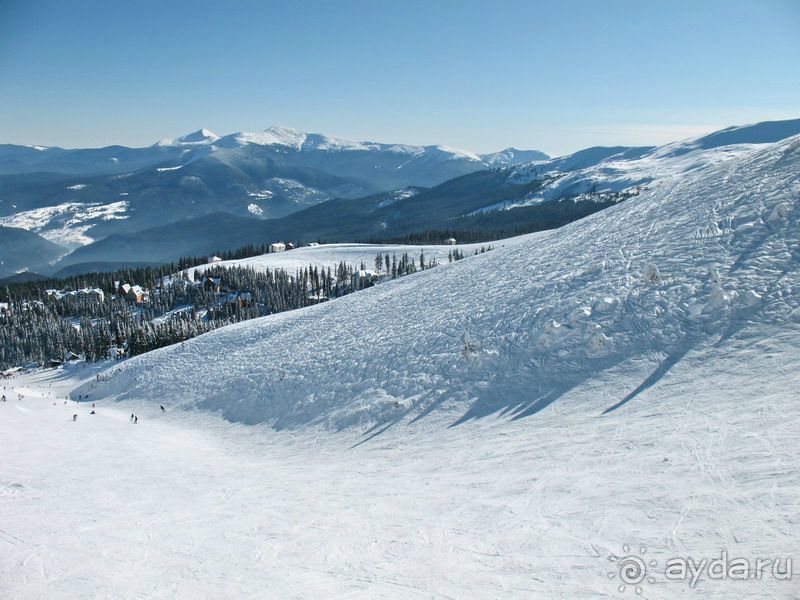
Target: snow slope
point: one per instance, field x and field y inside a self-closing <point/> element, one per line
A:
<point x="652" y="346"/>
<point x="330" y="255"/>
<point x="68" y="223"/>
<point x="676" y="268"/>
<point x="621" y="169"/>
<point x="184" y="506"/>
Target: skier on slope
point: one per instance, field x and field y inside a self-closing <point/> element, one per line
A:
<point x="161" y="405"/>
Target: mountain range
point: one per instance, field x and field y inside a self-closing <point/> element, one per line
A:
<point x="201" y="193"/>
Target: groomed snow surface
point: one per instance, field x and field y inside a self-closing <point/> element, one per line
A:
<point x="503" y="426"/>
<point x="326" y="256"/>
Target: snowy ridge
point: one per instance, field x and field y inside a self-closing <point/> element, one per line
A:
<point x="512" y="331"/>
<point x="273" y="136"/>
<point x="67" y="224"/>
<point x="617" y="170"/>
<point x="201" y="137"/>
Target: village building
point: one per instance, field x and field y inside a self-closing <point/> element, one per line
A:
<point x="450" y="241"/>
<point x="136" y="294"/>
<point x="94" y="294"/>
<point x="211" y="284"/>
<point x="277" y="247"/>
<point x="241" y="299"/>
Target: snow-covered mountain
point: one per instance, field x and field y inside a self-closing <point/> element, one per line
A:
<point x="686" y="264"/>
<point x="218" y="193"/>
<point x="266" y="174"/>
<point x="551" y="419"/>
<point x="499" y="202"/>
<point x="599" y="172"/>
<point x="281" y="141"/>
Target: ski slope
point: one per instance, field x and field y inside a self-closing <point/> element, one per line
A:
<point x="188" y="506"/>
<point x="502" y="426"/>
<point x="326" y="256"/>
<point x="680" y="266"/>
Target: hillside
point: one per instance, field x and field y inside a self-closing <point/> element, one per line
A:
<point x="497" y="202"/>
<point x="85" y="195"/>
<point x="662" y="275"/>
<point x="523" y="423"/>
<point x="330" y="255"/>
<point x="22" y="250"/>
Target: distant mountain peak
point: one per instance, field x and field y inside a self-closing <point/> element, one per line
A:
<point x="201" y="136"/>
<point x="513" y="155"/>
<point x="274" y="135"/>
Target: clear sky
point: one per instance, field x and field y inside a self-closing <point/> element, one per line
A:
<point x="480" y="75"/>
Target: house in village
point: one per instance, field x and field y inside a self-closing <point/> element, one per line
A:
<point x="277" y="247"/>
<point x="91" y="294"/>
<point x="211" y="284"/>
<point x="450" y="241"/>
<point x="214" y="259"/>
<point x="241" y="299"/>
<point x="136" y="294"/>
<point x="87" y="294"/>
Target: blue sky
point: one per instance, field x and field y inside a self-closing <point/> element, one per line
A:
<point x="556" y="76"/>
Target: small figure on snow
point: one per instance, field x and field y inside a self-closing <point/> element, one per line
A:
<point x="74" y="418"/>
<point x="135" y="420"/>
<point x="131" y="419"/>
<point x="91" y="413"/>
<point x="161" y="405"/>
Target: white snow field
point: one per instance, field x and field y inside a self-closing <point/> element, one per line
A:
<point x="511" y="425"/>
<point x="330" y="255"/>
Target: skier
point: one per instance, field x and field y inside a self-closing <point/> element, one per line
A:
<point x="91" y="413"/>
<point x="135" y="420"/>
<point x="4" y="397"/>
<point x="131" y="419"/>
<point x="161" y="405"/>
<point x="74" y="418"/>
